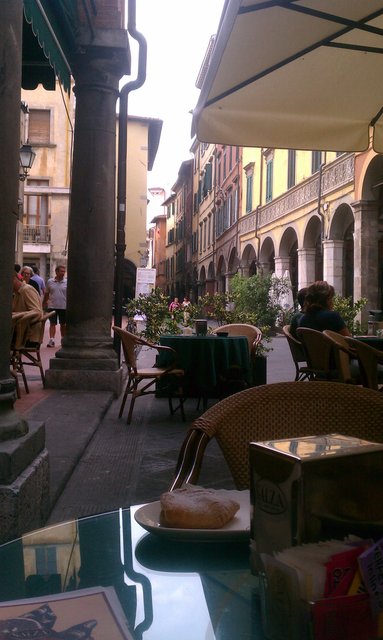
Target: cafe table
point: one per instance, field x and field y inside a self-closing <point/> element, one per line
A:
<point x="171" y="587"/>
<point x="210" y="362"/>
<point x="372" y="341"/>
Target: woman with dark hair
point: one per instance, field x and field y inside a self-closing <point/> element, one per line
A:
<point x="318" y="309"/>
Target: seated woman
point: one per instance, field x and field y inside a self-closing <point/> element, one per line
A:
<point x="318" y="309"/>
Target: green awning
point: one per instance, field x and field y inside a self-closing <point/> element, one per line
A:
<point x="52" y="25"/>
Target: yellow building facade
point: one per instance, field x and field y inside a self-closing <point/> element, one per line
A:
<point x="49" y="129"/>
<point x="49" y="126"/>
<point x="305" y="215"/>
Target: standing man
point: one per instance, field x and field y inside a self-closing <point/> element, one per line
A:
<point x="55" y="300"/>
<point x="37" y="278"/>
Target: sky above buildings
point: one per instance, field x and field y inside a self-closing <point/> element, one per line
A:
<point x="177" y="33"/>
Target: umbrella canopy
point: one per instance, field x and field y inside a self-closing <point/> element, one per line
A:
<point x="299" y="74"/>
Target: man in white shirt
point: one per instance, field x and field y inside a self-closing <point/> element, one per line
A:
<point x="55" y="300"/>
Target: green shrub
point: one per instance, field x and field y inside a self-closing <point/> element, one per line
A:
<point x="349" y="310"/>
<point x="155" y="308"/>
<point x="256" y="300"/>
<point x="260" y="297"/>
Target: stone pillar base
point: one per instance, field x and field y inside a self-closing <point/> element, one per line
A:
<point x="25" y="502"/>
<point x="84" y="379"/>
<point x="17" y="454"/>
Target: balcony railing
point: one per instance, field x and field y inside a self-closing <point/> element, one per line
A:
<point x="36" y="234"/>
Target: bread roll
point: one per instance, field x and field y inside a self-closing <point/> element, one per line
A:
<point x="193" y="507"/>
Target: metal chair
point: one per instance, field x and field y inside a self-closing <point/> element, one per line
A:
<point x="370" y="363"/>
<point x="172" y="375"/>
<point x="279" y="410"/>
<point x="298" y="355"/>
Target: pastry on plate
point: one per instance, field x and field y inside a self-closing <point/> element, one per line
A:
<point x="193" y="507"/>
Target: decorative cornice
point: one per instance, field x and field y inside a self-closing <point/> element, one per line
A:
<point x="334" y="176"/>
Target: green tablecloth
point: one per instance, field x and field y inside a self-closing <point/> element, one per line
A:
<point x="373" y="341"/>
<point x="214" y="366"/>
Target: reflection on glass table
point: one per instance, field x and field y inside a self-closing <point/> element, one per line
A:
<point x="167" y="588"/>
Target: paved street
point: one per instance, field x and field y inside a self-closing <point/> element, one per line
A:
<point x="98" y="463"/>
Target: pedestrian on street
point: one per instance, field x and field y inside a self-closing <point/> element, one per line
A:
<point x="55" y="300"/>
<point x="174" y="306"/>
<point x="185" y="306"/>
<point x="37" y="278"/>
<point x="27" y="273"/>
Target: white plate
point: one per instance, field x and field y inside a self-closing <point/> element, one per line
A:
<point x="148" y="517"/>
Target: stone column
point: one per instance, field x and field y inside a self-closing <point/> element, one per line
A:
<point x="244" y="270"/>
<point x="282" y="264"/>
<point x="228" y="279"/>
<point x="10" y="63"/>
<point x="211" y="286"/>
<point x="333" y="264"/>
<point x="87" y="359"/>
<point x="24" y="489"/>
<point x="366" y="255"/>
<point x="263" y="268"/>
<point x="306" y="267"/>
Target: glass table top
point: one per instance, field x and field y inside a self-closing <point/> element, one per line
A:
<point x="167" y="588"/>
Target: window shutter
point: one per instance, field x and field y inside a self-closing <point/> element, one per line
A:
<point x="269" y="181"/>
<point x="208" y="176"/>
<point x="39" y="126"/>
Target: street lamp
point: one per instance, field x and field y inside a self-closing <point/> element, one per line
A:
<point x="27" y="157"/>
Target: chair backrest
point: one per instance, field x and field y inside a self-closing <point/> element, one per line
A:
<point x="295" y="346"/>
<point x="129" y="343"/>
<point x="42" y="322"/>
<point x="319" y="350"/>
<point x="252" y="333"/>
<point x="343" y="353"/>
<point x="368" y="358"/>
<point x="22" y="322"/>
<point x="279" y="410"/>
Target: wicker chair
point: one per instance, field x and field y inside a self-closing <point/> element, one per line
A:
<point x="345" y="358"/>
<point x="21" y="322"/>
<point x="280" y="410"/>
<point x="319" y="355"/>
<point x="298" y="355"/>
<point x="22" y="354"/>
<point x="370" y="363"/>
<point x="170" y="374"/>
<point x="253" y="334"/>
<point x="29" y="356"/>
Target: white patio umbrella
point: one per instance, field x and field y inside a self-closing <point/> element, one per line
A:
<point x="287" y="300"/>
<point x="299" y="74"/>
